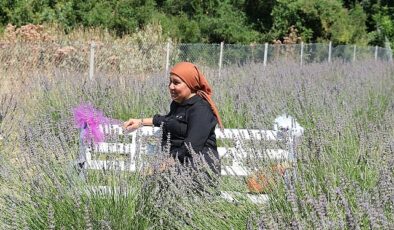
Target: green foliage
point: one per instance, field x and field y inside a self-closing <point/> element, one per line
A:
<point x="229" y="25"/>
<point x="320" y="20"/>
<point x="206" y="21"/>
<point x="345" y="109"/>
<point x="258" y="13"/>
<point x="179" y="27"/>
<point x="121" y="16"/>
<point x="350" y="28"/>
<point x="214" y="21"/>
<point x="385" y="26"/>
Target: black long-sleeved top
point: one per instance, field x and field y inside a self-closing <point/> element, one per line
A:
<point x="191" y="122"/>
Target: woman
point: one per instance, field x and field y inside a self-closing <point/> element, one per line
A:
<point x="192" y="119"/>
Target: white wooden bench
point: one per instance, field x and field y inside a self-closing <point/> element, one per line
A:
<point x="286" y="129"/>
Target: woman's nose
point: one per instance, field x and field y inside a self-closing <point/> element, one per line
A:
<point x="171" y="86"/>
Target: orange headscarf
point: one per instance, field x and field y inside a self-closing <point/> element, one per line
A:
<point x="196" y="81"/>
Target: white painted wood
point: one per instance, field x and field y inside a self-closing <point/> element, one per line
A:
<point x="234" y="196"/>
<point x="236" y="154"/>
<point x="302" y="53"/>
<point x="111" y="165"/>
<point x="129" y="149"/>
<point x="225" y="134"/>
<point x="246" y="134"/>
<point x="284" y="129"/>
<point x="221" y="58"/>
<point x="168" y="57"/>
<point x="235" y="171"/>
<point x="115" y="148"/>
<point x="265" y="53"/>
<point x="269" y="154"/>
<point x="132" y="167"/>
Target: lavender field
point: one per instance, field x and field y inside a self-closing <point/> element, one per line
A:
<point x="343" y="178"/>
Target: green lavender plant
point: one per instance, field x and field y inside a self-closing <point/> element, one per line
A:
<point x="343" y="177"/>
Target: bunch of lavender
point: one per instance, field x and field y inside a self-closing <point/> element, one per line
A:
<point x="343" y="165"/>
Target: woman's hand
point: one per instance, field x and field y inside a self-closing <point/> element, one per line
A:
<point x="132" y="124"/>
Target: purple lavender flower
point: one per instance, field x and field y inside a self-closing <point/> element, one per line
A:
<point x="88" y="118"/>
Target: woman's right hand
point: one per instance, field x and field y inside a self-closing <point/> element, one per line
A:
<point x="132" y="124"/>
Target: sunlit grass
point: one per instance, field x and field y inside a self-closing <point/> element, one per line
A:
<point x="343" y="177"/>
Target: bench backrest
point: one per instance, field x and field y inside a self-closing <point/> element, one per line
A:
<point x="134" y="150"/>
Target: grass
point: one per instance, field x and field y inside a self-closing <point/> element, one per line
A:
<point x="343" y="178"/>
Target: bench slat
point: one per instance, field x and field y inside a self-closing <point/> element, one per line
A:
<point x="120" y="148"/>
<point x="246" y="134"/>
<point x="255" y="198"/>
<point x="273" y="154"/>
<point x="111" y="165"/>
<point x="234" y="171"/>
<point x="123" y="166"/>
<point x="236" y="155"/>
<point x="118" y="130"/>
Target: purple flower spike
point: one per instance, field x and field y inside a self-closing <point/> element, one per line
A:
<point x="88" y="118"/>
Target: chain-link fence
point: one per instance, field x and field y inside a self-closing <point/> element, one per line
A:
<point x="94" y="59"/>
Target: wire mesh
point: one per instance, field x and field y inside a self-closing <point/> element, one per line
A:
<point x="200" y="54"/>
<point x="139" y="59"/>
<point x="315" y="53"/>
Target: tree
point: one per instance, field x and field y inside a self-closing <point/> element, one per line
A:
<point x="258" y="13"/>
<point x="232" y="21"/>
<point x="228" y="25"/>
<point x="6" y="11"/>
<point x="380" y="20"/>
<point x="212" y="20"/>
<point x="124" y="16"/>
<point x="319" y="20"/>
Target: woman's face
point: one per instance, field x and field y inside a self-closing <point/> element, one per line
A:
<point x="179" y="91"/>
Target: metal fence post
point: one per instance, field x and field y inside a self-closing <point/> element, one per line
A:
<point x="167" y="58"/>
<point x="221" y="58"/>
<point x="265" y="53"/>
<point x="376" y="53"/>
<point x="329" y="51"/>
<point x="302" y="52"/>
<point x="91" y="61"/>
<point x="354" y="53"/>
